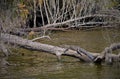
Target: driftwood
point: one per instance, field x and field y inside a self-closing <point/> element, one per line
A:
<point x="80" y="51"/>
<point x="75" y="52"/>
<point x="107" y="53"/>
<point x="29" y="44"/>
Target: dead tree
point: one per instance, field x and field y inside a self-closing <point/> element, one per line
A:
<point x="75" y="52"/>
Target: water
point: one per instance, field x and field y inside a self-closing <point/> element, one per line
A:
<point x="39" y="65"/>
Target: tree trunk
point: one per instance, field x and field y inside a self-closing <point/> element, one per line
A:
<point x="29" y="44"/>
<point x="75" y="52"/>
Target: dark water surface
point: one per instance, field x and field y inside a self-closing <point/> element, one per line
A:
<point x="39" y="65"/>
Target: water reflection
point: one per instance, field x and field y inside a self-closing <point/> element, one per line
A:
<point x="62" y="70"/>
<point x="98" y="71"/>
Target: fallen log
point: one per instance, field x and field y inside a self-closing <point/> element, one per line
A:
<point x="81" y="25"/>
<point x="55" y="26"/>
<point x="80" y="51"/>
<point x="38" y="29"/>
<point x="107" y="54"/>
<point x="58" y="51"/>
<point x="55" y="50"/>
<point x="78" y="19"/>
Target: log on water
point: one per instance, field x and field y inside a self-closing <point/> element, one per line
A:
<point x="58" y="51"/>
<point x="107" y="54"/>
<point x="55" y="50"/>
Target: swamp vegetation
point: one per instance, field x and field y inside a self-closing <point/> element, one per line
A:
<point x="59" y="39"/>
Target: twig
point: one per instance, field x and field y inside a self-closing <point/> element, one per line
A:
<point x="41" y="37"/>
